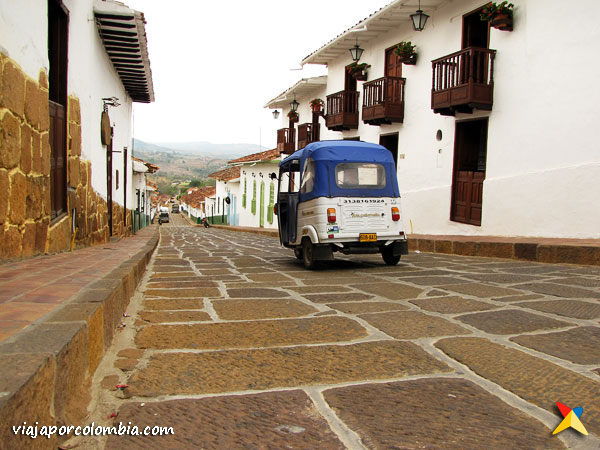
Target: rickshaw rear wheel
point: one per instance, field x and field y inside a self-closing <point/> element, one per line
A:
<point x="307" y="254"/>
<point x="298" y="253"/>
<point x="388" y="256"/>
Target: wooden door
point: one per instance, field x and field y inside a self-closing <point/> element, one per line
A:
<point x="390" y="141"/>
<point x="470" y="151"/>
<point x="393" y="64"/>
<point x="476" y="32"/>
<point x="109" y="184"/>
<point x="349" y="82"/>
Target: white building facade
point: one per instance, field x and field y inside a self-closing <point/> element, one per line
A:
<point x="492" y="138"/>
<point x="69" y="74"/>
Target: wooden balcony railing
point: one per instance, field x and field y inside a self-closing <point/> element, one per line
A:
<point x="462" y="81"/>
<point x="383" y="100"/>
<point x="307" y="133"/>
<point x="342" y="111"/>
<point x="286" y="140"/>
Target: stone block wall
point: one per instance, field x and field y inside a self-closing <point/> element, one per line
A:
<point x="25" y="225"/>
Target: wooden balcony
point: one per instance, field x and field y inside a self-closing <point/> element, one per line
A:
<point x="307" y="133"/>
<point x="383" y="101"/>
<point x="462" y="81"/>
<point x="342" y="111"/>
<point x="286" y="140"/>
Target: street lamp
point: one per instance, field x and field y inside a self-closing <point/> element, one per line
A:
<point x="356" y="52"/>
<point x="419" y="18"/>
<point x="294" y="105"/>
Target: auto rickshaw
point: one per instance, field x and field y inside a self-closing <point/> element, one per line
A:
<point x="340" y="196"/>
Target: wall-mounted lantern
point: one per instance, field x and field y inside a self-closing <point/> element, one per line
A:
<point x="419" y="19"/>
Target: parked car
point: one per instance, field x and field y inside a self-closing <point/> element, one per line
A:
<point x="175" y="209"/>
<point x="163" y="217"/>
<point x="340" y="196"/>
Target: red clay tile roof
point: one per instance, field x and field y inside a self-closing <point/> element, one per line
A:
<point x="230" y="173"/>
<point x="151" y="167"/>
<point x="267" y="155"/>
<point x="195" y="198"/>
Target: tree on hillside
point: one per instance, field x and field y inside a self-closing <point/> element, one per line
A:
<point x="195" y="183"/>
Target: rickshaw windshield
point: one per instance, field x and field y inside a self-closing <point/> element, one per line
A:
<point x="360" y="175"/>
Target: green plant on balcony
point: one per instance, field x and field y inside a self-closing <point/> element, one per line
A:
<point x="406" y="51"/>
<point x="358" y="71"/>
<point x="499" y="16"/>
<point x="317" y="104"/>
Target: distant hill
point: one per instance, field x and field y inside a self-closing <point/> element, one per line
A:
<point x="190" y="160"/>
<point x="225" y="151"/>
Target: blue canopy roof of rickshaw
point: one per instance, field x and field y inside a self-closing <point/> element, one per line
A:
<point x="341" y="151"/>
<point x="327" y="154"/>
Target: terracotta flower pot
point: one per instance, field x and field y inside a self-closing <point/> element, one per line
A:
<point x="502" y="22"/>
<point x="360" y="76"/>
<point x="410" y="60"/>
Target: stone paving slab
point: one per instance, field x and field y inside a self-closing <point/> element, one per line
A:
<point x="396" y="291"/>
<point x="577" y="309"/>
<point x="538" y="381"/>
<point x="559" y="290"/>
<point x="198" y="373"/>
<point x="368" y="307"/>
<point x="452" y="305"/>
<point x="480" y="290"/>
<point x="250" y="334"/>
<point x="432" y="280"/>
<point x="344" y="297"/>
<point x="579" y="281"/>
<point x="272" y="420"/>
<point x="579" y="345"/>
<point x="261" y="309"/>
<point x="256" y="293"/>
<point x="511" y="321"/>
<point x="182" y="284"/>
<point x="174" y="316"/>
<point x="318" y="289"/>
<point x="516" y="298"/>
<point x="412" y="325"/>
<point x="173" y="304"/>
<point x="502" y="278"/>
<point x="184" y="292"/>
<point x="436" y="413"/>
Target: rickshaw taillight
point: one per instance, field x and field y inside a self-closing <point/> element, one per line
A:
<point x="331" y="215"/>
<point x="395" y="214"/>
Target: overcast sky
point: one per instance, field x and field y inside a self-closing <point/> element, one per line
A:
<point x="215" y="64"/>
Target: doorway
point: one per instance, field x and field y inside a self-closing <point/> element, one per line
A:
<point x="390" y="141"/>
<point x="470" y="152"/>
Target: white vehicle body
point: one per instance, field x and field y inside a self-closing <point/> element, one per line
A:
<point x="354" y="216"/>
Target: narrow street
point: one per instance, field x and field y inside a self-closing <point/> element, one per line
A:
<point x="233" y="344"/>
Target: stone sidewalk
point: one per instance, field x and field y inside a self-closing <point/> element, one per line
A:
<point x="58" y="315"/>
<point x="234" y="345"/>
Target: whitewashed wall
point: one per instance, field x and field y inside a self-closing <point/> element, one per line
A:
<point x="91" y="76"/>
<point x="543" y="165"/>
<point x="246" y="218"/>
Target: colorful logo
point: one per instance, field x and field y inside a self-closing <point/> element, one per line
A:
<point x="571" y="419"/>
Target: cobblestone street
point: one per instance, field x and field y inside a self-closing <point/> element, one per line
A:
<point x="234" y="344"/>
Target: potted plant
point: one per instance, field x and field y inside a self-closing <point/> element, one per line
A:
<point x="293" y="116"/>
<point x="406" y="51"/>
<point x="317" y="104"/>
<point x="358" y="71"/>
<point x="499" y="16"/>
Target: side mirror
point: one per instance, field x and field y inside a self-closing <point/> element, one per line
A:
<point x="273" y="176"/>
<point x="275" y="209"/>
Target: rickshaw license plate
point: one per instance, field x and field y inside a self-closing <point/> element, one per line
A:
<point x="367" y="237"/>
